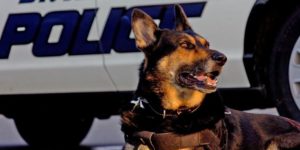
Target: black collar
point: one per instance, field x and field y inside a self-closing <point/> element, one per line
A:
<point x="143" y="103"/>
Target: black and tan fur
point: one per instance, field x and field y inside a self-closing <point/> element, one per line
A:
<point x="178" y="71"/>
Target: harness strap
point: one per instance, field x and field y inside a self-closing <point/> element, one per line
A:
<point x="171" y="141"/>
<point x="145" y="138"/>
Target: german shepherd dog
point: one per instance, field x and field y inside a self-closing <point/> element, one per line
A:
<point x="170" y="111"/>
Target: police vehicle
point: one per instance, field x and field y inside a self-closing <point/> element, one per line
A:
<point x="62" y="62"/>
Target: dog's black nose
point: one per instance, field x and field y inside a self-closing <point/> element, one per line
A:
<point x="219" y="58"/>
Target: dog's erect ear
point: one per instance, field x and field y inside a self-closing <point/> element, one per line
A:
<point x="143" y="28"/>
<point x="181" y="21"/>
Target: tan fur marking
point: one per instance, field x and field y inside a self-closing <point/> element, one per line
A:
<point x="176" y="97"/>
<point x="203" y="41"/>
<point x="273" y="146"/>
<point x="191" y="39"/>
<point x="140" y="43"/>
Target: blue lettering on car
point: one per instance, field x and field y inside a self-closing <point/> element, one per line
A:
<point x="11" y="35"/>
<point x="76" y="28"/>
<point x="69" y="20"/>
<point x="81" y="44"/>
<point x="26" y="1"/>
<point x="30" y="1"/>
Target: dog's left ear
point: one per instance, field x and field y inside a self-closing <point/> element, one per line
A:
<point x="181" y="20"/>
<point x="144" y="29"/>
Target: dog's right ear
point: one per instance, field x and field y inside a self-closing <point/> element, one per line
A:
<point x="144" y="29"/>
<point x="181" y="20"/>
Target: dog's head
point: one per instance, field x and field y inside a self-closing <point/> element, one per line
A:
<point x="179" y="61"/>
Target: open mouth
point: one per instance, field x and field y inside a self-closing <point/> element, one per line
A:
<point x="205" y="82"/>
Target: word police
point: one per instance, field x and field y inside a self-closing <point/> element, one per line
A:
<point x="32" y="27"/>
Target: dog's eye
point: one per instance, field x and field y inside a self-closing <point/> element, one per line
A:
<point x="187" y="45"/>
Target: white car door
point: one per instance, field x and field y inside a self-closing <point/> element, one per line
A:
<point x="51" y="46"/>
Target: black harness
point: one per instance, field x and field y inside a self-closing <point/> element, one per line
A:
<point x="207" y="138"/>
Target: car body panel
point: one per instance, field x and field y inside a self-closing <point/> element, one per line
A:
<point x="25" y="71"/>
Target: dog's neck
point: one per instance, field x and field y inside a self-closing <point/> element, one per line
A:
<point x="175" y="97"/>
<point x="167" y="95"/>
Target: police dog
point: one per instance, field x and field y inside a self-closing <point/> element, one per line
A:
<point x="170" y="111"/>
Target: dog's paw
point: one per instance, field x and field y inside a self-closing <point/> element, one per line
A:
<point x="128" y="146"/>
<point x="143" y="147"/>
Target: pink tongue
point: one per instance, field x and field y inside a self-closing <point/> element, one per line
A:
<point x="207" y="79"/>
<point x="201" y="77"/>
